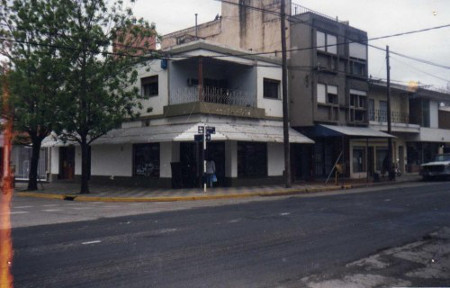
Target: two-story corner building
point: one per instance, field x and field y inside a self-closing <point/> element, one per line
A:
<point x="199" y="84"/>
<point x="329" y="92"/>
<point x="328" y="66"/>
<point x="417" y="122"/>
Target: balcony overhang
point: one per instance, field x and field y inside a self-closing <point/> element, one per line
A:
<point x="395" y="127"/>
<point x="435" y="135"/>
<point x="213" y="108"/>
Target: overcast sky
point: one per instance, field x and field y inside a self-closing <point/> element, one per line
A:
<point x="376" y="17"/>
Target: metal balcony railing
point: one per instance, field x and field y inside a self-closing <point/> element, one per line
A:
<point x="212" y="95"/>
<point x="299" y="9"/>
<point x="381" y="116"/>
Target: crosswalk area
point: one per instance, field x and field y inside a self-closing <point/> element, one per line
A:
<point x="29" y="211"/>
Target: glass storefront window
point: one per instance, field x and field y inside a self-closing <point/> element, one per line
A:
<point x="381" y="154"/>
<point x="146" y="160"/>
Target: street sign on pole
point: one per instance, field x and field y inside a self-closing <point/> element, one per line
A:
<point x="210" y="130"/>
<point x="201" y="129"/>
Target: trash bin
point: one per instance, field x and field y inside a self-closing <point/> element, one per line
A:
<point x="376" y="177"/>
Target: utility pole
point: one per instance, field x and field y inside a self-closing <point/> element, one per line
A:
<point x="389" y="121"/>
<point x="287" y="151"/>
<point x="196" y="27"/>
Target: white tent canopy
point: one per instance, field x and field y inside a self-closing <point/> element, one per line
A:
<point x="186" y="132"/>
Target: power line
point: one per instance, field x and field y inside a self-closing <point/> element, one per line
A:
<point x="410" y="32"/>
<point x="299" y="21"/>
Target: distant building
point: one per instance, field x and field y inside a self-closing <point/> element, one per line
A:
<point x="128" y="42"/>
<point x="419" y="124"/>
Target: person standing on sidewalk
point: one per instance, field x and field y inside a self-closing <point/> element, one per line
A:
<point x="210" y="172"/>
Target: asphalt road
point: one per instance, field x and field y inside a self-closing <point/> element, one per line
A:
<point x="271" y="243"/>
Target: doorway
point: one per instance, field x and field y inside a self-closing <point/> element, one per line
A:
<point x="67" y="163"/>
<point x="191" y="161"/>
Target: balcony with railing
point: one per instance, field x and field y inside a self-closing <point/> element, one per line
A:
<point x="212" y="100"/>
<point x="225" y="88"/>
<point x="214" y="95"/>
<point x="381" y="116"/>
<point x="399" y="121"/>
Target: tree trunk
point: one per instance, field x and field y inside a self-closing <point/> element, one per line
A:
<point x="33" y="173"/>
<point x="85" y="159"/>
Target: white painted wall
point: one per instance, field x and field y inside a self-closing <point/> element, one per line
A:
<point x="169" y="152"/>
<point x="156" y="103"/>
<point x="109" y="160"/>
<point x="273" y="107"/>
<point x="434" y="114"/>
<point x="275" y="159"/>
<point x="231" y="159"/>
<point x="54" y="162"/>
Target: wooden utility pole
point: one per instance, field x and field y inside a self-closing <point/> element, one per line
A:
<point x="389" y="120"/>
<point x="287" y="151"/>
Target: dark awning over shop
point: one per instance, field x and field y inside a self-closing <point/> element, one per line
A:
<point x="354" y="132"/>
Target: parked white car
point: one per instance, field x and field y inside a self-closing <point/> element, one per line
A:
<point x="440" y="167"/>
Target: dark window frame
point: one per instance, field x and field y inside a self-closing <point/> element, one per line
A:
<point x="146" y="164"/>
<point x="271" y="88"/>
<point x="150" y="86"/>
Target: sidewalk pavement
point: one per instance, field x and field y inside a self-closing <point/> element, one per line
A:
<point x="109" y="193"/>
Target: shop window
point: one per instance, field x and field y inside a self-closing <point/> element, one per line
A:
<point x="271" y="88"/>
<point x="252" y="159"/>
<point x="381" y="155"/>
<point x="359" y="159"/>
<point x="149" y="86"/>
<point x="146" y="160"/>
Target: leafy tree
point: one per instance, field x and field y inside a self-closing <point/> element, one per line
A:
<point x="97" y="94"/>
<point x="65" y="76"/>
<point x="29" y="36"/>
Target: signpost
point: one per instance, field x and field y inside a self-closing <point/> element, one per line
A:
<point x="204" y="135"/>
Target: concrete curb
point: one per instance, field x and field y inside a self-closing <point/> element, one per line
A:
<point x="273" y="193"/>
<point x="85" y="198"/>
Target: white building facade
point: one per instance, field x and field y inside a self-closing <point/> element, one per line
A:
<point x="198" y="84"/>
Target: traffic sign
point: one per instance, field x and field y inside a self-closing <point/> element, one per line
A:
<point x="199" y="137"/>
<point x="210" y="130"/>
<point x="201" y="129"/>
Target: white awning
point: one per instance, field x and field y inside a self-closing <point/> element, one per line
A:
<point x="431" y="135"/>
<point x="351" y="131"/>
<point x="186" y="132"/>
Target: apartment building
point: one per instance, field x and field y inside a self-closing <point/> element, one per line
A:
<point x="197" y="85"/>
<point x="419" y="122"/>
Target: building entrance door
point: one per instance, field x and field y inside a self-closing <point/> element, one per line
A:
<point x="192" y="162"/>
<point x="67" y="163"/>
